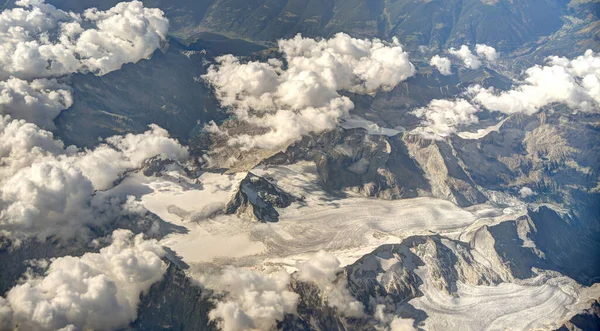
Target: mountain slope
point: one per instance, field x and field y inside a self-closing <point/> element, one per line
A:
<point x="505" y="24"/>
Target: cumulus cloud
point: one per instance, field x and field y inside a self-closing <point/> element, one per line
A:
<point x="402" y="324"/>
<point x="469" y="59"/>
<point x="526" y="192"/>
<point x="38" y="40"/>
<point x="390" y="322"/>
<point x="47" y="189"/>
<point x="50" y="190"/>
<point x="97" y="291"/>
<point x="288" y="101"/>
<point x="322" y="269"/>
<point x="442" y="64"/>
<point x="442" y="117"/>
<point x="252" y="300"/>
<point x="575" y="83"/>
<point x="572" y="82"/>
<point x="38" y="101"/>
<point x="487" y="52"/>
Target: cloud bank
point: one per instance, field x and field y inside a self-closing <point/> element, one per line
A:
<point x="292" y="100"/>
<point x="38" y="40"/>
<point x="574" y="83"/>
<point x="50" y="190"/>
<point x="38" y="101"/>
<point x="254" y="300"/>
<point x="47" y="189"/>
<point x="98" y="291"/>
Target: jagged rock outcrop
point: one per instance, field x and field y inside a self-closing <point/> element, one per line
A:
<point x="446" y="176"/>
<point x="155" y="166"/>
<point x="401" y="166"/>
<point x="375" y="166"/>
<point x="554" y="154"/>
<point x="314" y="313"/>
<point x="389" y="272"/>
<point x="257" y="199"/>
<point x="174" y="303"/>
<point x="584" y="321"/>
<point x="17" y="256"/>
<point x="542" y="239"/>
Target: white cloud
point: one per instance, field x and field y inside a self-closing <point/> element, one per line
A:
<point x="256" y="301"/>
<point x="302" y="97"/>
<point x="321" y="269"/>
<point x="286" y="126"/>
<point x="390" y="322"/>
<point x="45" y="198"/>
<point x="38" y="101"/>
<point x="442" y="117"/>
<point x="22" y="144"/>
<point x="155" y="142"/>
<point x="47" y="189"/>
<point x="38" y="40"/>
<point x="526" y="192"/>
<point x="572" y="82"/>
<point x="402" y="324"/>
<point x="95" y="291"/>
<point x="322" y="266"/>
<point x="575" y="83"/>
<point x="469" y="59"/>
<point x="442" y="64"/>
<point x="487" y="52"/>
<point x="253" y="300"/>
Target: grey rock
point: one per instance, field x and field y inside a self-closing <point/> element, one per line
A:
<point x="587" y="320"/>
<point x="257" y="198"/>
<point x="174" y="303"/>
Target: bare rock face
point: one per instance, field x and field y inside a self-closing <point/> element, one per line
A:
<point x="375" y="166"/>
<point x="541" y="239"/>
<point x="174" y="303"/>
<point x="586" y="320"/>
<point x="446" y="176"/>
<point x="555" y="155"/>
<point x="314" y="313"/>
<point x="402" y="166"/>
<point x="257" y="199"/>
<point x="155" y="166"/>
<point x="390" y="271"/>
